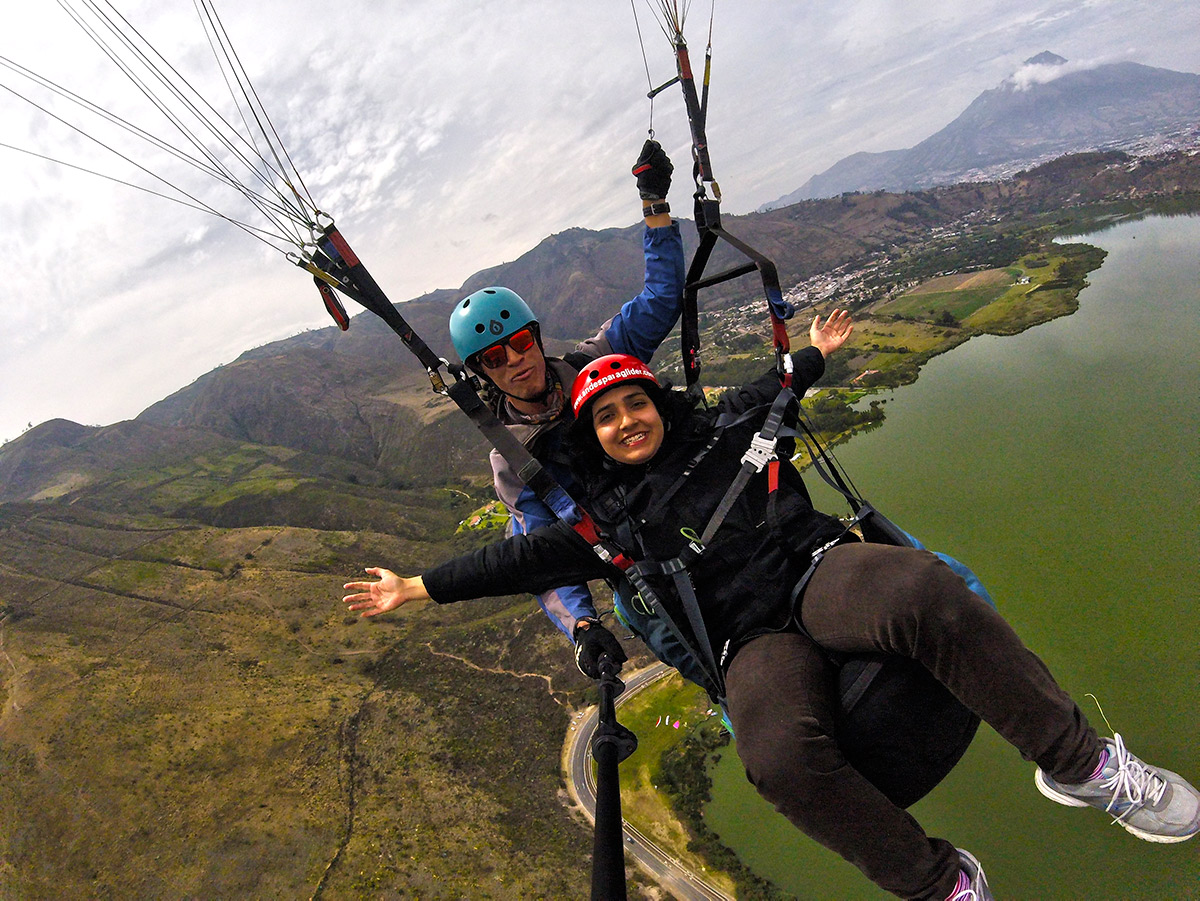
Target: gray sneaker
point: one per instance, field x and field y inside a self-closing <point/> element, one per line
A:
<point x="1154" y="804"/>
<point x="977" y="888"/>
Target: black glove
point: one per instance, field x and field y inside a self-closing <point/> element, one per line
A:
<point x="592" y="640"/>
<point x="653" y="170"/>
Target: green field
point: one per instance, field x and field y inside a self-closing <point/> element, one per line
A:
<point x="1035" y="289"/>
<point x="960" y="303"/>
<point x="659" y="715"/>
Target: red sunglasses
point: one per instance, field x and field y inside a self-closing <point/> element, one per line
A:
<point x="496" y="355"/>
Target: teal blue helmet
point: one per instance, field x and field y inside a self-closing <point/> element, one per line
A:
<point x="485" y="317"/>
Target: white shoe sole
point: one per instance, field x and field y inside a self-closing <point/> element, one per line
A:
<point x="1039" y="779"/>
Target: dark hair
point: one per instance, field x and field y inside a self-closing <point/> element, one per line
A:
<point x="591" y="465"/>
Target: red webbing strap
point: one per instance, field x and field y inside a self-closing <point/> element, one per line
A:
<point x="335" y="238"/>
<point x="758" y="456"/>
<point x="341" y="263"/>
<point x="773" y="476"/>
<point x="783" y="346"/>
<point x="332" y="305"/>
<point x="586" y="529"/>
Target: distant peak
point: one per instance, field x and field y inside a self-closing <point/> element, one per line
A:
<point x="1045" y="58"/>
<point x="1042" y="69"/>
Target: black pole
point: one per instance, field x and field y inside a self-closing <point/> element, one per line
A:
<point x="611" y="744"/>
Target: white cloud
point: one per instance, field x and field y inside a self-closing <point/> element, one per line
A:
<point x="451" y="137"/>
<point x="1031" y="74"/>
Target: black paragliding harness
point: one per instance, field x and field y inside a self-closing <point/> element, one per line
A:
<point x="884" y="702"/>
<point x="898" y="726"/>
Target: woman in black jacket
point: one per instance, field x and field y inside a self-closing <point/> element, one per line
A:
<point x="767" y="616"/>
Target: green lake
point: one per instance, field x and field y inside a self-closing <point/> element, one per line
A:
<point x="1061" y="464"/>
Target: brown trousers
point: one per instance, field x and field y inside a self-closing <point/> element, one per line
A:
<point x="878" y="598"/>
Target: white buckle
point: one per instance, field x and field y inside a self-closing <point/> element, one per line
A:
<point x="760" y="453"/>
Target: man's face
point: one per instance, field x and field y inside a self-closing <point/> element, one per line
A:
<point x="522" y="375"/>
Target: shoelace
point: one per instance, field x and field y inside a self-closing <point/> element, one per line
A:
<point x="967" y="893"/>
<point x="1134" y="783"/>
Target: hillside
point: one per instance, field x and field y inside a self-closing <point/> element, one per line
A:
<point x="1048" y="109"/>
<point x="187" y="713"/>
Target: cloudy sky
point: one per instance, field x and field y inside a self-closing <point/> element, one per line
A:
<point x="446" y="137"/>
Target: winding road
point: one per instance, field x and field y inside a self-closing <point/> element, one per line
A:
<point x="684" y="884"/>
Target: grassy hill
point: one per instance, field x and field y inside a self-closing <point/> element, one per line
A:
<point x="188" y="712"/>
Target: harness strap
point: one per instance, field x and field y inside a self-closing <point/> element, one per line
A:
<point x="339" y="261"/>
<point x="708" y="224"/>
<point x="333" y="306"/>
<point x="687" y="472"/>
<point x="854" y="693"/>
<point x="691" y="607"/>
<point x="586" y="529"/>
<point x="637" y="582"/>
<point x="762" y="451"/>
<point x="821" y="459"/>
<point x="527" y="467"/>
<point x="677" y="570"/>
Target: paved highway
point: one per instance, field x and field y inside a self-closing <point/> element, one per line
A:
<point x="577" y="758"/>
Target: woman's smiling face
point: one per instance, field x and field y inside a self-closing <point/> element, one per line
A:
<point x="627" y="424"/>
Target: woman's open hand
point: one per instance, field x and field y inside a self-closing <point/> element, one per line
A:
<point x="833" y="334"/>
<point x="387" y="594"/>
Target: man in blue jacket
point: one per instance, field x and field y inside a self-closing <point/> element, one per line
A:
<point x="497" y="336"/>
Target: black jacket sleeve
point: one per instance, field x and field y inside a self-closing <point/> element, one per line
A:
<point x="545" y="558"/>
<point x="808" y="366"/>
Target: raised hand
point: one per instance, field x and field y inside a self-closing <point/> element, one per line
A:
<point x="653" y="171"/>
<point x="831" y="335"/>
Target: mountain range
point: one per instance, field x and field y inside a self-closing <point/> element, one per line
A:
<point x="357" y="405"/>
<point x="1047" y="109"/>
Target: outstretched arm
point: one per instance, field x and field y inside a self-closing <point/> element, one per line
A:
<point x="832" y="335"/>
<point x="387" y="594"/>
<point x="554" y="555"/>
<point x="645" y="321"/>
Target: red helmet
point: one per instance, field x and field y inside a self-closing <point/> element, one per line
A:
<point x="607" y="372"/>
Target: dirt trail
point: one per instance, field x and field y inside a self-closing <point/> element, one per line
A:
<point x="499" y="671"/>
<point x="12" y="686"/>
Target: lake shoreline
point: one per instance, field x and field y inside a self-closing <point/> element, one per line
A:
<point x="709" y="823"/>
